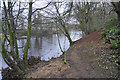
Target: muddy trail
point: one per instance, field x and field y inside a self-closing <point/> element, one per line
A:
<point x="87" y="58"/>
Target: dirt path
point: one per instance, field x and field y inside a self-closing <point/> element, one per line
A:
<point x="82" y="62"/>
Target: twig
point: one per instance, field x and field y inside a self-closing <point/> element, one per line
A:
<point x="41" y="8"/>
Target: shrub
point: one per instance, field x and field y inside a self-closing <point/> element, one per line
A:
<point x="112" y="36"/>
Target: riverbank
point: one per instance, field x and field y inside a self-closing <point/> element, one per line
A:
<point x="89" y="57"/>
<point x="23" y="32"/>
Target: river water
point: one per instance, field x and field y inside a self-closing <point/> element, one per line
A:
<point x="45" y="46"/>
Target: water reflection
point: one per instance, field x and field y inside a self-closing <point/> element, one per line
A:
<point x="38" y="44"/>
<point x="46" y="46"/>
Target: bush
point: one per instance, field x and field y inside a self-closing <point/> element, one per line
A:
<point x="112" y="36"/>
<point x="111" y="22"/>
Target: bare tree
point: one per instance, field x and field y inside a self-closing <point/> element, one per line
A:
<point x="61" y="16"/>
<point x="11" y="57"/>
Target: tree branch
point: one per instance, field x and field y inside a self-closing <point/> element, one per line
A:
<point x="41" y="8"/>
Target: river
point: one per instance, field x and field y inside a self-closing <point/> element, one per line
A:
<point x="45" y="46"/>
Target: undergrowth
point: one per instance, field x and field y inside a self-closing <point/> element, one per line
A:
<point x="111" y="35"/>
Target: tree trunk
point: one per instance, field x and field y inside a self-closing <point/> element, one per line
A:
<point x="68" y="35"/>
<point x="25" y="55"/>
<point x="9" y="61"/>
<point x="9" y="24"/>
<point x="119" y="16"/>
<point x="117" y="8"/>
<point x="65" y="30"/>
